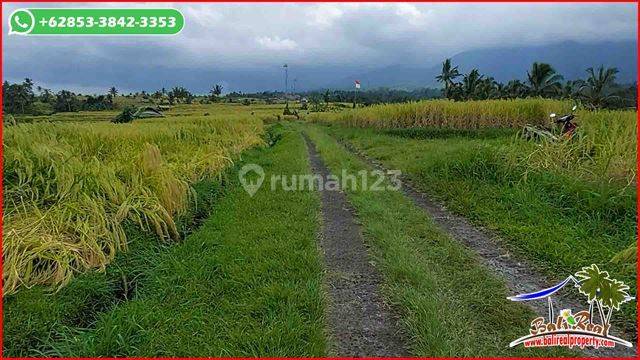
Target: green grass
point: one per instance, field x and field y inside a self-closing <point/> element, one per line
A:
<point x="559" y="222"/>
<point x="36" y="317"/>
<point x="248" y="282"/>
<point x="451" y="305"/>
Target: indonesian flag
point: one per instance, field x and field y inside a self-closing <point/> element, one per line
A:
<point x="357" y="84"/>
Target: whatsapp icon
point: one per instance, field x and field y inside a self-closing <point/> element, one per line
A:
<point x="21" y="22"/>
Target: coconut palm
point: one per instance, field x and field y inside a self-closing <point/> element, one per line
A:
<point x="597" y="89"/>
<point x="543" y="80"/>
<point x="515" y="89"/>
<point x="447" y="76"/>
<point x="570" y="89"/>
<point x="470" y="83"/>
<point x="215" y="92"/>
<point x="112" y="93"/>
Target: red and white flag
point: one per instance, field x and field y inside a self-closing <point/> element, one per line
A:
<point x="357" y="84"/>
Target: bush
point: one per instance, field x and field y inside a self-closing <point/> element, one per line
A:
<point x="41" y="108"/>
<point x="126" y="116"/>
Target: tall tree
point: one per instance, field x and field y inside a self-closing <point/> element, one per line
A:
<point x="515" y="89"/>
<point x="66" y="101"/>
<point x="215" y="92"/>
<point x="112" y="93"/>
<point x="470" y="83"/>
<point x="447" y="76"/>
<point x="597" y="89"/>
<point x="543" y="80"/>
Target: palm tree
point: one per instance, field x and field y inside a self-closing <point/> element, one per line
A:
<point x="596" y="90"/>
<point x="447" y="76"/>
<point x="28" y="84"/>
<point x="112" y="93"/>
<point x="570" y="89"/>
<point x="543" y="79"/>
<point x="216" y="91"/>
<point x="515" y="89"/>
<point x="487" y="88"/>
<point x="470" y="82"/>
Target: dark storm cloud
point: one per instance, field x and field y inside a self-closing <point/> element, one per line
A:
<point x="242" y="44"/>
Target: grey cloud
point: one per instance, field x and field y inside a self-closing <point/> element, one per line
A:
<point x="250" y="37"/>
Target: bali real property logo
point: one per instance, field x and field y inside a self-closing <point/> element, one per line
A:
<point x="581" y="328"/>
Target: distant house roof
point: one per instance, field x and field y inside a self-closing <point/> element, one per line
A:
<point x="148" y="111"/>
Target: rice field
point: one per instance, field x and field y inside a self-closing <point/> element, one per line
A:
<point x="455" y="115"/>
<point x="604" y="150"/>
<point x="70" y="187"/>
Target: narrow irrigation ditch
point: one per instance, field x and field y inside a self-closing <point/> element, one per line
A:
<point x="360" y="322"/>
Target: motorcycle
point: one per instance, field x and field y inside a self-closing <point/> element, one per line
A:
<point x="567" y="128"/>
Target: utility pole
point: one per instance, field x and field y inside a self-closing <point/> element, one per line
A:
<point x="286" y="79"/>
<point x="294" y="84"/>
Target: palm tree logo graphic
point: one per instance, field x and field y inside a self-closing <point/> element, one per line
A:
<point x="604" y="295"/>
<point x="603" y="292"/>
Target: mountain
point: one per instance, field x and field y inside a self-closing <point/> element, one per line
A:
<point x="570" y="59"/>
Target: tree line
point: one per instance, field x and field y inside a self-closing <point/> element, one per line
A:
<point x="28" y="99"/>
<point x="598" y="90"/>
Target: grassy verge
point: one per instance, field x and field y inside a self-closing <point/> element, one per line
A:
<point x="451" y="305"/>
<point x="560" y="222"/>
<point x="36" y="317"/>
<point x="246" y="283"/>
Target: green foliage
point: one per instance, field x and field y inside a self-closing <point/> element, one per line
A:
<point x="66" y="101"/>
<point x="447" y="76"/>
<point x="597" y="90"/>
<point x="449" y="114"/>
<point x="18" y="98"/>
<point x="215" y="92"/>
<point x="543" y="80"/>
<point x="126" y="116"/>
<point x="35" y="318"/>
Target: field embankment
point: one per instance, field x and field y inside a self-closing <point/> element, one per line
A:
<point x="69" y="188"/>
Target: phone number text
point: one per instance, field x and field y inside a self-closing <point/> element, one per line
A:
<point x="108" y="22"/>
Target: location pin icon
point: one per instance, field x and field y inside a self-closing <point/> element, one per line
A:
<point x="251" y="187"/>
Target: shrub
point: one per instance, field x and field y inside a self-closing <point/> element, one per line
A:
<point x="126" y="116"/>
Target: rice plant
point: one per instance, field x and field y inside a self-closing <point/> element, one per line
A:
<point x="69" y="187"/>
<point x="456" y="115"/>
<point x="603" y="150"/>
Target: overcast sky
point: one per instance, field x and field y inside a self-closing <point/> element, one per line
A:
<point x="232" y="38"/>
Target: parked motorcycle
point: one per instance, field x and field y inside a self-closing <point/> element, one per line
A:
<point x="567" y="128"/>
